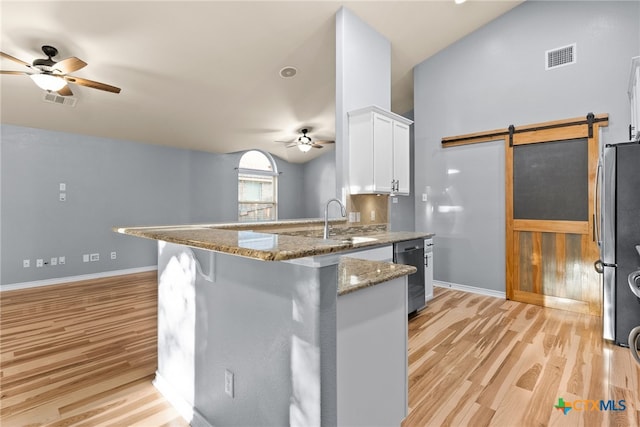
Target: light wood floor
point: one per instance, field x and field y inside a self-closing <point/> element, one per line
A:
<point x="84" y="354"/>
<point x="477" y="361"/>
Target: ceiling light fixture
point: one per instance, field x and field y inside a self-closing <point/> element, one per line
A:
<point x="288" y="72"/>
<point x="304" y="147"/>
<point x="48" y="82"/>
<point x="460" y="1"/>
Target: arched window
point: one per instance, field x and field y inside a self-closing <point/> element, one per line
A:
<point x="257" y="187"/>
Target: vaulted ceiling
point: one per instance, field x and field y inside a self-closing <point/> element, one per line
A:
<point x="204" y="75"/>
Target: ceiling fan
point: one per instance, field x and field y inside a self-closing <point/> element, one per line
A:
<point x="305" y="143"/>
<point x="53" y="76"/>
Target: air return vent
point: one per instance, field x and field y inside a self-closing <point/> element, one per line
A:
<point x="560" y="57"/>
<point x="61" y="100"/>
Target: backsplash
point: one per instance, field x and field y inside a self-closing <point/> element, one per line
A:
<point x="365" y="204"/>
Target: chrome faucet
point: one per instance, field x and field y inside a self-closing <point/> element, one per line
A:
<point x="326" y="216"/>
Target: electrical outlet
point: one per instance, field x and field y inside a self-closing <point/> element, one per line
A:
<point x="352" y="217"/>
<point x="54" y="261"/>
<point x="62" y="260"/>
<point x="39" y="262"/>
<point x="228" y="383"/>
<point x="94" y="257"/>
<point x="373" y="215"/>
<point x="357" y="216"/>
<point x="113" y="255"/>
<point x="26" y="263"/>
<point x="85" y="258"/>
<point x="63" y="197"/>
<point x="394" y="200"/>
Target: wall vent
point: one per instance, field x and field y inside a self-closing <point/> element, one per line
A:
<point x="54" y="98"/>
<point x="560" y="56"/>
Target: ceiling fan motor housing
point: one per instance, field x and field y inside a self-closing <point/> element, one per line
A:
<point x="46" y="64"/>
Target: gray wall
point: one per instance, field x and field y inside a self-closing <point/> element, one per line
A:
<point x="109" y="183"/>
<point x="491" y="79"/>
<point x="320" y="185"/>
<point x="213" y="200"/>
<point x="363" y="78"/>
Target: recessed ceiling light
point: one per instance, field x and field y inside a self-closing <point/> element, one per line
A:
<point x="288" y="72"/>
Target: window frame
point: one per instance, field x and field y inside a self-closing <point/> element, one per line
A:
<point x="247" y="172"/>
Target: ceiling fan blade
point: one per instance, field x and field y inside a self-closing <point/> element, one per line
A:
<point x="14" y="72"/>
<point x="70" y="65"/>
<point x="325" y="142"/>
<point x="65" y="91"/>
<point x="316" y="146"/>
<point x="293" y="144"/>
<point x="92" y="84"/>
<point x="13" y="58"/>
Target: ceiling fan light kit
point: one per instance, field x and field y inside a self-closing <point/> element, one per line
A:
<point x="48" y="82"/>
<point x="304" y="147"/>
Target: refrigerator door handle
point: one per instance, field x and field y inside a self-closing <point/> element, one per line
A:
<point x="599" y="266"/>
<point x="596" y="206"/>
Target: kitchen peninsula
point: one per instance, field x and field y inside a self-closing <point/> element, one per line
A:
<point x="318" y="337"/>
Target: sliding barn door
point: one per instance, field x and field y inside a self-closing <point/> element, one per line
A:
<point x="551" y="248"/>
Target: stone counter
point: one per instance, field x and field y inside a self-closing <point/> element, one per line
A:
<point x="355" y="274"/>
<point x="275" y="241"/>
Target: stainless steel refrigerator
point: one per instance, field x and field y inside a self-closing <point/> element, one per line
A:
<point x="618" y="234"/>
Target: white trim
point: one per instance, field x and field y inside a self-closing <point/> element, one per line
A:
<point x="184" y="408"/>
<point x="59" y="280"/>
<point x="470" y="289"/>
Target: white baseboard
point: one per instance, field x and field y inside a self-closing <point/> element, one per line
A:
<point x="68" y="279"/>
<point x="184" y="408"/>
<point x="470" y="289"/>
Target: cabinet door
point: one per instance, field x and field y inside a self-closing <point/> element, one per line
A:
<point x="401" y="157"/>
<point x="382" y="153"/>
<point x="361" y="154"/>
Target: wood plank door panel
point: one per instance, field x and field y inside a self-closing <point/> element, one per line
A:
<point x="550" y="178"/>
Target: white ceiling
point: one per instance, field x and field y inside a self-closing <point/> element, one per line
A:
<point x="204" y="75"/>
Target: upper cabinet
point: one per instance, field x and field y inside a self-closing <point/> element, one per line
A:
<point x="379" y="159"/>
<point x="634" y="98"/>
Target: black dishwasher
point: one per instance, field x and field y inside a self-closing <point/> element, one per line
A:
<point x="411" y="252"/>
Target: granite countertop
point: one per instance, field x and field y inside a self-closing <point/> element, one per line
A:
<point x="276" y="241"/>
<point x="355" y="274"/>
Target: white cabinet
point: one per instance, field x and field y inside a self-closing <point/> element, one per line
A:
<point x="379" y="159"/>
<point x="634" y="98"/>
